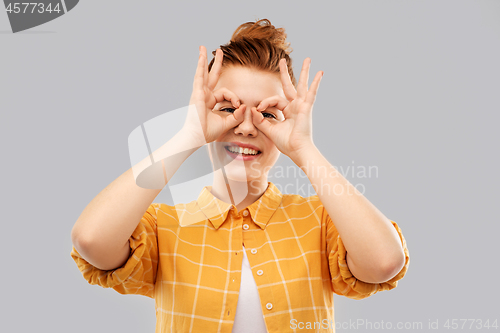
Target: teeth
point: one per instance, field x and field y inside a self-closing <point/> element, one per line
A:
<point x="239" y="150"/>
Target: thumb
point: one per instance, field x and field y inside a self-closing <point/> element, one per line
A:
<point x="259" y="122"/>
<point x="236" y="118"/>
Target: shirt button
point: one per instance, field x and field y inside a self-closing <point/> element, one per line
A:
<point x="245" y="213"/>
<point x="246" y="226"/>
<point x="253" y="251"/>
<point x="260" y="272"/>
<point x="269" y="306"/>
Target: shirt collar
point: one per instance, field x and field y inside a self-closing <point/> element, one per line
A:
<point x="261" y="210"/>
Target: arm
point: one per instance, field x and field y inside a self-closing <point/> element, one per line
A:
<point x="101" y="233"/>
<point x="374" y="250"/>
<point x="375" y="253"/>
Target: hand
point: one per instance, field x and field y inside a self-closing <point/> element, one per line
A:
<point x="205" y="125"/>
<point x="293" y="135"/>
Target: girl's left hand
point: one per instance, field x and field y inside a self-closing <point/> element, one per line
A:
<point x="293" y="135"/>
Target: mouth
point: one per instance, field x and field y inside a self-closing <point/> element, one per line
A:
<point x="241" y="153"/>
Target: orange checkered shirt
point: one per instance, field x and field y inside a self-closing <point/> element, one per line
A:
<point x="188" y="258"/>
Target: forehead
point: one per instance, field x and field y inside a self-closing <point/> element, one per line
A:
<point x="249" y="84"/>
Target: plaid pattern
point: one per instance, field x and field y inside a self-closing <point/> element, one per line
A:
<point x="193" y="270"/>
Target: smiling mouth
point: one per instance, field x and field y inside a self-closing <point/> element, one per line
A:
<point x="242" y="151"/>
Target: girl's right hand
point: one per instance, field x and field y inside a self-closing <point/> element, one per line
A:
<point x="201" y="122"/>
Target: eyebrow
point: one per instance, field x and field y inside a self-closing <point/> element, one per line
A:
<point x="242" y="102"/>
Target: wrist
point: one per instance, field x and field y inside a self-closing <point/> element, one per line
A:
<point x="302" y="157"/>
<point x="182" y="142"/>
<point x="191" y="138"/>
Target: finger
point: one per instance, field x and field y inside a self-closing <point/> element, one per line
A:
<point x="313" y="90"/>
<point x="286" y="81"/>
<point x="214" y="74"/>
<point x="198" y="76"/>
<point x="259" y="122"/>
<point x="276" y="101"/>
<point x="288" y="114"/>
<point x="235" y="118"/>
<point x="304" y="78"/>
<point x="224" y="94"/>
<point x="205" y="64"/>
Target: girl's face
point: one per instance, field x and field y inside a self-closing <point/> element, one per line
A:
<point x="251" y="86"/>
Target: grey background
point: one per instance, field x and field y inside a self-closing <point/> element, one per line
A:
<point x="411" y="87"/>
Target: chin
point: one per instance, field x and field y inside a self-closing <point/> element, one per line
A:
<point x="237" y="171"/>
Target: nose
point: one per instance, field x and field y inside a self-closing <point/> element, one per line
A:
<point x="246" y="127"/>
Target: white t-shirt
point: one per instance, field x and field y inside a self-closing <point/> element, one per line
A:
<point x="249" y="317"/>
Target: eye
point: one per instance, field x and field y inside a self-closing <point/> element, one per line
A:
<point x="268" y="115"/>
<point x="228" y="109"/>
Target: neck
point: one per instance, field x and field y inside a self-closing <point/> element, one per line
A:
<point x="241" y="194"/>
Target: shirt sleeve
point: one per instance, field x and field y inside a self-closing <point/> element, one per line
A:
<point x="138" y="274"/>
<point x="343" y="281"/>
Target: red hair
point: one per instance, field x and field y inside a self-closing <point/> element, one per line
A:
<point x="258" y="45"/>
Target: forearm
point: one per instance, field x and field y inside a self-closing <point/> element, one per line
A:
<point x="103" y="229"/>
<point x="106" y="224"/>
<point x="375" y="252"/>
